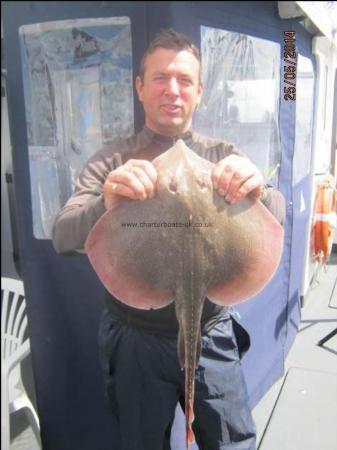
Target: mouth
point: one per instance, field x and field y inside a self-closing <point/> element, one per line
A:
<point x="171" y="109"/>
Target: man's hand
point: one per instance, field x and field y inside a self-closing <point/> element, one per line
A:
<point x="135" y="179"/>
<point x="236" y="176"/>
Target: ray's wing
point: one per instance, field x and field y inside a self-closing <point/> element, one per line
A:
<point x="132" y="258"/>
<point x="248" y="252"/>
<point x="140" y="264"/>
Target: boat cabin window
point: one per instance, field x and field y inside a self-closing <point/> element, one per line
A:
<point x="304" y="119"/>
<point x="78" y="92"/>
<point x="240" y="103"/>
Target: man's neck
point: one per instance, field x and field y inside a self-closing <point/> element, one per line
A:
<point x="167" y="132"/>
<point x="167" y="135"/>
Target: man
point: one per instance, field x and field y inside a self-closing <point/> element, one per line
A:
<point x="139" y="348"/>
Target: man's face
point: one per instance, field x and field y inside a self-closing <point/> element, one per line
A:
<point x="170" y="90"/>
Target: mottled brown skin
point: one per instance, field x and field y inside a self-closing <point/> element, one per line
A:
<point x="229" y="260"/>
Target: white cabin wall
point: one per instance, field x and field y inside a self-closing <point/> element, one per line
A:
<point x="326" y="57"/>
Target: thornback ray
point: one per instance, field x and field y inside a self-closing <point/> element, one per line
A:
<point x="183" y="245"/>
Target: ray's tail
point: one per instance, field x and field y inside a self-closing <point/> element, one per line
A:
<point x="189" y="302"/>
<point x="192" y="353"/>
<point x="189" y="348"/>
<point x="189" y="413"/>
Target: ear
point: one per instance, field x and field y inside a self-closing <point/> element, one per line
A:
<point x="199" y="94"/>
<point x="200" y="91"/>
<point x="139" y="88"/>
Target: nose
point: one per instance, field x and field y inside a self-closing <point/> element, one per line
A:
<point x="172" y="87"/>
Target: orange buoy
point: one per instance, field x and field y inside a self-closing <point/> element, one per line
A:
<point x="325" y="219"/>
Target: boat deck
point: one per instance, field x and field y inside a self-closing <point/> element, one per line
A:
<point x="299" y="412"/>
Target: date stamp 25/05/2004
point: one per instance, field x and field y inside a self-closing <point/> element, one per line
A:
<point x="289" y="68"/>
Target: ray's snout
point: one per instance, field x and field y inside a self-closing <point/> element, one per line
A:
<point x="182" y="174"/>
<point x="176" y="186"/>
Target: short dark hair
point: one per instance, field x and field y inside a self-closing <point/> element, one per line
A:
<point x="171" y="40"/>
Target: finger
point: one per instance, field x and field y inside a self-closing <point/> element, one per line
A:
<point x="145" y="165"/>
<point x="145" y="180"/>
<point x="124" y="191"/>
<point x="247" y="187"/>
<point x="112" y="192"/>
<point x="231" y="174"/>
<point x="239" y="177"/>
<point x="125" y="176"/>
<point x="223" y="172"/>
<point x="217" y="173"/>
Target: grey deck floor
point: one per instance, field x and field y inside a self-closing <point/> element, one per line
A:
<point x="312" y="373"/>
<point x="319" y="317"/>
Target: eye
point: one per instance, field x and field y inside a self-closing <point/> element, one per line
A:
<point x="185" y="81"/>
<point x="202" y="185"/>
<point x="173" y="186"/>
<point x="159" y="78"/>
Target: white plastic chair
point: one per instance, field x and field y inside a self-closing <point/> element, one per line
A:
<point x="14" y="348"/>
